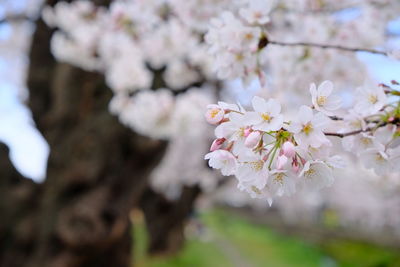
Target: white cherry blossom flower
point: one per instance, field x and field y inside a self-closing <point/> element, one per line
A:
<point x="257" y="11"/>
<point x="377" y="160"/>
<point x="370" y="99"/>
<point x="214" y="114"/>
<point x="281" y="182"/>
<point x="266" y="116"/>
<point x="316" y="175"/>
<point x="222" y="160"/>
<point x="252" y="173"/>
<point x="308" y="128"/>
<point x="322" y="98"/>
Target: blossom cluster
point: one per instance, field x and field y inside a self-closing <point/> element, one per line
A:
<point x="138" y="45"/>
<point x="236" y="40"/>
<point x="254" y="37"/>
<point x="272" y="155"/>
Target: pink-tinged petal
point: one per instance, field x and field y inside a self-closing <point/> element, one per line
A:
<point x="253" y="139"/>
<point x="295" y="167"/>
<point x="325" y="88"/>
<point x="217" y="144"/>
<point x="259" y="104"/>
<point x="288" y="149"/>
<point x="281" y="162"/>
<point x="214" y="115"/>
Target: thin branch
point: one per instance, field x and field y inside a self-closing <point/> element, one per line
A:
<point x="342" y="135"/>
<point x="327" y="46"/>
<point x="15" y="18"/>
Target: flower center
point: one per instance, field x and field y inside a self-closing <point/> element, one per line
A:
<point x="365" y="141"/>
<point x="373" y="99"/>
<point x="249" y="36"/>
<point x="379" y="158"/>
<point x="307" y="129"/>
<point x="239" y="57"/>
<point x="257" y="14"/>
<point x="321" y="100"/>
<point x="310" y="173"/>
<point x="279" y="178"/>
<point x="256" y="190"/>
<point x="241" y="131"/>
<point x="356" y="124"/>
<point x="214" y="113"/>
<point x="266" y="117"/>
<point x="257" y="165"/>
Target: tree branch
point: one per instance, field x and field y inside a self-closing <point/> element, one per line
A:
<point x="15" y="18"/>
<point x="327" y="46"/>
<point x="342" y="135"/>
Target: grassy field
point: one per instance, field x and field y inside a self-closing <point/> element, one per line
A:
<point x="229" y="240"/>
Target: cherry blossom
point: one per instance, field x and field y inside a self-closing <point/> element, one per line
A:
<point x="322" y="99"/>
<point x="223" y="160"/>
<point x="308" y="128"/>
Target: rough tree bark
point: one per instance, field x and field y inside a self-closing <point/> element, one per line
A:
<point x="165" y="219"/>
<point x="97" y="172"/>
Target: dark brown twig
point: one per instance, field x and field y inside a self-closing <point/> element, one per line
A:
<point x="327" y="46"/>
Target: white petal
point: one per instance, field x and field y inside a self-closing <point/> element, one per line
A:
<point x="305" y="114"/>
<point x="274" y="107"/>
<point x="259" y="104"/>
<point x="325" y="88"/>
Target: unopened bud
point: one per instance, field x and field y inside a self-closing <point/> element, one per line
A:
<point x="217" y="144"/>
<point x="252" y="139"/>
<point x="288" y="149"/>
<point x="281" y="162"/>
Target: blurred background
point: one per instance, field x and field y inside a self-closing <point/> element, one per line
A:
<point x="85" y="183"/>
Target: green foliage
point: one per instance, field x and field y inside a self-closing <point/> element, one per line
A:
<point x="233" y="241"/>
<point x="359" y="254"/>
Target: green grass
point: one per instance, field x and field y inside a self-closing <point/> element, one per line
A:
<point x="237" y="242"/>
<point x="359" y="254"/>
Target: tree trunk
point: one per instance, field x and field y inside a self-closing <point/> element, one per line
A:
<point x="165" y="219"/>
<point x="96" y="172"/>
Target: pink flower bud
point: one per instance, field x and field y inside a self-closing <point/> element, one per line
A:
<point x="217" y="144"/>
<point x="295" y="167"/>
<point x="253" y="139"/>
<point x="247" y="131"/>
<point x="288" y="149"/>
<point x="281" y="162"/>
<point x="214" y="114"/>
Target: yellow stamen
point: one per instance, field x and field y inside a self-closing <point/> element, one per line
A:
<point x="249" y="36"/>
<point x="279" y="178"/>
<point x="266" y="117"/>
<point x="214" y="113"/>
<point x="256" y="190"/>
<point x="373" y="99"/>
<point x="307" y="129"/>
<point x="309" y="174"/>
<point x="257" y="165"/>
<point x="366" y="141"/>
<point x="378" y="157"/>
<point x="321" y="100"/>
